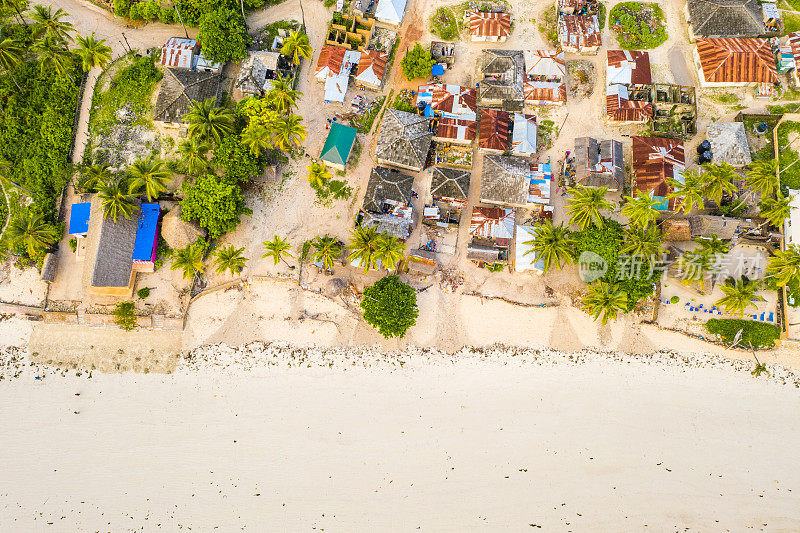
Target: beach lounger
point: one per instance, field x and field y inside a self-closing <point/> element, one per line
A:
<point x="771" y="317"/>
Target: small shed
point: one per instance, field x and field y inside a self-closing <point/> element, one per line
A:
<point x="79" y="219"/>
<point x="338" y="145"/>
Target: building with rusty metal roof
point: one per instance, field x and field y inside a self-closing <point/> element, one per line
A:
<point x="656" y="161"/>
<point x="628" y="67"/>
<point x="735" y="62"/>
<point x="495" y="127"/>
<point x="621" y="108"/>
<point x="489" y="26"/>
<point x="579" y="34"/>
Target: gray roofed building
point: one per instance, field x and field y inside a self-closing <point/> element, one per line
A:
<point x="707" y="225"/>
<point x="256" y="71"/>
<point x="180" y="88"/>
<point x="393" y="225"/>
<point x="505" y="180"/>
<point x="113" y="264"/>
<point x="599" y="164"/>
<point x="502" y="75"/>
<point x="450" y="183"/>
<point x="387" y="186"/>
<point x="725" y="18"/>
<point x="404" y="140"/>
<point x="729" y="143"/>
<point x="478" y="252"/>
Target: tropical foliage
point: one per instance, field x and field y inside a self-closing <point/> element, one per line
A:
<point x="31" y="231"/>
<point x="223" y="35"/>
<point x="604" y="300"/>
<point x="586" y="206"/>
<point x="327" y="250"/>
<point x="551" y="244"/>
<point x="116" y="199"/>
<point x="417" y="63"/>
<point x="640" y="209"/>
<point x="390" y="306"/>
<point x="230" y="259"/>
<point x="296" y="46"/>
<point x="754" y="335"/>
<point x="149" y="176"/>
<point x="189" y="260"/>
<point x="215" y="203"/>
<point x="207" y="122"/>
<point x="278" y="249"/>
<point x="784" y="266"/>
<point x="740" y="294"/>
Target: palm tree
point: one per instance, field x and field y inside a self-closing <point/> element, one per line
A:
<point x="704" y="259"/>
<point x="642" y="242"/>
<point x="604" y="300"/>
<point x="5" y="166"/>
<point x="327" y="250"/>
<point x="32" y="231"/>
<point x="318" y="175"/>
<point x="277" y="248"/>
<point x="230" y="259"/>
<point x="52" y="55"/>
<point x="712" y="245"/>
<point x="116" y="199"/>
<point x="784" y="266"/>
<point x="586" y="205"/>
<point x="689" y="193"/>
<point x="289" y="133"/>
<point x="340" y="190"/>
<point x="5" y="5"/>
<point x="640" y="209"/>
<point x="48" y="24"/>
<point x="389" y="250"/>
<point x="719" y="181"/>
<point x="207" y="122"/>
<point x="281" y="96"/>
<point x="775" y="210"/>
<point x="149" y="175"/>
<point x="256" y="137"/>
<point x="363" y="246"/>
<point x="11" y="52"/>
<point x="763" y="176"/>
<point x="296" y="46"/>
<point x="552" y="244"/>
<point x="193" y="155"/>
<point x="93" y="53"/>
<point x="94" y="176"/>
<point x="739" y="295"/>
<point x="190" y="260"/>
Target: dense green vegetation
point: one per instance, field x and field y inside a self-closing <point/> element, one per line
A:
<point x="390" y="306"/>
<point x="755" y="335"/>
<point x="417" y="63"/>
<point x="223" y="35"/>
<point x="215" y="203"/>
<point x="788" y="144"/>
<point x="637" y="25"/>
<point x="445" y="25"/>
<point x="124" y="317"/>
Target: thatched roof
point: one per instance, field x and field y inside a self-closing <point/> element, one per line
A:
<point x="676" y="230"/>
<point x="49" y="267"/>
<point x="114" y="260"/>
<point x="180" y="88"/>
<point x="450" y="183"/>
<point x="387" y="184"/>
<point x="404" y="140"/>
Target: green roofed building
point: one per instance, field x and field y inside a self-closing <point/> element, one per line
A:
<point x="338" y="145"/>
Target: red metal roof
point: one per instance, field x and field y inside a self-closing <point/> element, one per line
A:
<point x="539" y="92"/>
<point x="738" y="60"/>
<point x="375" y="59"/>
<point x="640" y="71"/>
<point x="332" y="57"/>
<point x="655" y="159"/>
<point x="456" y="129"/>
<point x="494" y="129"/>
<point x="484" y="24"/>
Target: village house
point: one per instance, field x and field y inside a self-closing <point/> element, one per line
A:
<point x="501" y="74"/>
<point x="387" y="202"/>
<point x="334" y="66"/>
<point x="452" y="109"/>
<point x="491" y="230"/>
<point x="724" y="18"/>
<point x="179" y="89"/>
<point x="578" y="7"/>
<point x="178" y="52"/>
<point x="579" y="34"/>
<point x="545" y="75"/>
<point x="505" y="180"/>
<point x="628" y="88"/>
<point x="525" y="259"/>
<point x="338" y="145"/>
<point x="443" y="52"/>
<point x="495" y="128"/>
<point x="404" y="140"/>
<point x="599" y="164"/>
<point x="488" y="26"/>
<point x="623" y="108"/>
<point x="259" y="69"/>
<point x="625" y="67"/>
<point x="372" y="69"/>
<point x="729" y="143"/>
<point x="523" y="135"/>
<point x="449" y="192"/>
<point x="390" y="12"/>
<point x="657" y="161"/>
<point x="735" y="62"/>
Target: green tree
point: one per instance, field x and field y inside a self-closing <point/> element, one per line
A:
<point x="124" y="317"/>
<point x="223" y="35"/>
<point x="763" y="176"/>
<point x="53" y="56"/>
<point x="289" y="132"/>
<point x="775" y="210"/>
<point x="278" y="249"/>
<point x="214" y="203"/>
<point x="719" y="181"/>
<point x="604" y="300"/>
<point x="642" y="242"/>
<point x="739" y="295"/>
<point x="689" y="193"/>
<point x="389" y="249"/>
<point x="417" y="63"/>
<point x="327" y="250"/>
<point x="552" y="244"/>
<point x="194" y="154"/>
<point x="256" y="138"/>
<point x="318" y="175"/>
<point x="115" y="199"/>
<point x="33" y="232"/>
<point x="586" y="205"/>
<point x="18" y="6"/>
<point x="390" y="306"/>
<point x="5" y="172"/>
<point x="189" y="260"/>
<point x="50" y="24"/>
<point x="281" y="96"/>
<point x="640" y="209"/>
<point x="93" y="53"/>
<point x="784" y="266"/>
<point x="704" y="259"/>
<point x="230" y="259"/>
<point x="208" y="122"/>
<point x="94" y="176"/>
<point x="363" y="246"/>
<point x="235" y="160"/>
<point x="149" y="176"/>
<point x="296" y="46"/>
<point x="11" y="52"/>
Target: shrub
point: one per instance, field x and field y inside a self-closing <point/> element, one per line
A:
<point x="390" y="306"/>
<point x="417" y="63"/>
<point x="444" y="24"/>
<point x="73" y="244"/>
<point x="167" y="15"/>
<point x="143" y="293"/>
<point x="223" y="35"/>
<point x="215" y="203"/>
<point x="124" y="317"/>
<point x="674" y="300"/>
<point x="638" y="26"/>
<point x="235" y="160"/>
<point x="121" y="7"/>
<point x="754" y="334"/>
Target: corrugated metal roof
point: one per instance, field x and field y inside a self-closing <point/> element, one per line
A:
<point x="456" y="129"/>
<point x="178" y="52"/>
<point x="544" y="92"/>
<point x="485" y="24"/>
<point x="656" y="159"/>
<point x="630" y="67"/>
<point x="494" y="129"/>
<point x="579" y="31"/>
<point x="372" y="67"/>
<point x="545" y="63"/>
<point x="492" y="223"/>
<point x="619" y="108"/>
<point x="737" y="60"/>
<point x="330" y="61"/>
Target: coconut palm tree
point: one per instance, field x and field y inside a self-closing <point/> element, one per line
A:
<point x="775" y="210"/>
<point x="784" y="266"/>
<point x="704" y="259"/>
<point x="190" y="260"/>
<point x="52" y="55"/>
<point x="278" y="248"/>
<point x="327" y="250"/>
<point x="116" y="199"/>
<point x="208" y="122"/>
<point x="642" y="242"/>
<point x="689" y="193"/>
<point x="230" y="259"/>
<point x="5" y="5"/>
<point x="149" y="176"/>
<point x="363" y="246"/>
<point x="93" y="176"/>
<point x="256" y="137"/>
<point x="340" y="190"/>
<point x="289" y="133"/>
<point x="32" y="231"/>
<point x="193" y="155"/>
<point x="712" y="245"/>
<point x="604" y="300"/>
<point x="719" y="181"/>
<point x="586" y="205"/>
<point x="318" y="175"/>
<point x="296" y="46"/>
<point x="282" y="97"/>
<point x="640" y="209"/>
<point x="11" y="52"/>
<point x="93" y="53"/>
<point x="739" y="295"/>
<point x="552" y="244"/>
<point x="49" y="24"/>
<point x="763" y="176"/>
<point x="389" y="250"/>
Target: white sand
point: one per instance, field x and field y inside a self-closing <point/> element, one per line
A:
<point x="495" y="441"/>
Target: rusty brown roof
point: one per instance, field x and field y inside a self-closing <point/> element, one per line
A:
<point x="637" y="61"/>
<point x="332" y="57"/>
<point x="456" y="129"/>
<point x="742" y="60"/>
<point x="484" y="24"/>
<point x="494" y="129"/>
<point x="621" y="109"/>
<point x="544" y="91"/>
<point x="655" y="159"/>
<point x="375" y="59"/>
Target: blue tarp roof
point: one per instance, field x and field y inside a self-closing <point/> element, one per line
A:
<point x="664" y="205"/>
<point x="437" y="70"/>
<point x="146" y="232"/>
<point x="79" y="218"/>
<point x="428" y="111"/>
